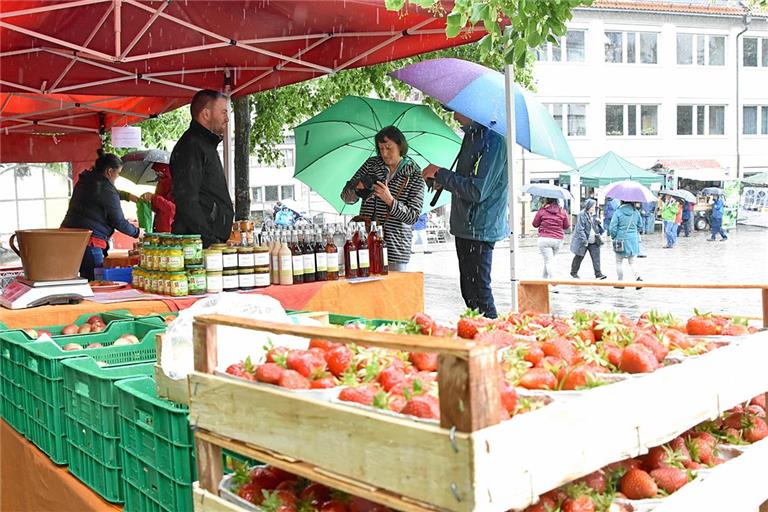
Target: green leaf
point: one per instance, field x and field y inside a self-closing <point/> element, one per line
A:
<point x="480" y="11"/>
<point x="394" y="5"/>
<point x="453" y="25"/>
<point x="424" y="4"/>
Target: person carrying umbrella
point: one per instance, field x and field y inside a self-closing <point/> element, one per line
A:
<point x="625" y="233"/>
<point x="586" y="238"/>
<point x="478" y="208"/>
<point x="716" y="220"/>
<point x="392" y="192"/>
<point x="669" y="212"/>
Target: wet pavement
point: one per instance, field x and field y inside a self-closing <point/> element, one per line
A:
<point x="741" y="259"/>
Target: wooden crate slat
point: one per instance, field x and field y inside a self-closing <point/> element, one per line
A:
<point x="205" y="501"/>
<point x="411" y="343"/>
<point x="412" y="459"/>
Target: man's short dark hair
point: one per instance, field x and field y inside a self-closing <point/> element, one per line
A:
<point x="394" y="134"/>
<point x="202" y="99"/>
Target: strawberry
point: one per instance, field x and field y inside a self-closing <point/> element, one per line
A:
<point x="701" y="450"/>
<point x="235" y="369"/>
<point x="637" y="358"/>
<point x="497" y="337"/>
<point x="324" y="382"/>
<point x="508" y="397"/>
<point x="756" y="430"/>
<point x="360" y="394"/>
<point x="323" y="345"/>
<point x="693" y="465"/>
<point x="586" y="335"/>
<point x="701" y="325"/>
<point x="334" y="506"/>
<point x="424" y="361"/>
<point x="264" y="478"/>
<point x="251" y="493"/>
<point x="574" y="377"/>
<point x="669" y="479"/>
<point x="612" y="353"/>
<point x="538" y="378"/>
<point x="291" y="379"/>
<point x="545" y="504"/>
<point x="390" y="376"/>
<point x="676" y="339"/>
<point x="277" y="355"/>
<point x="580" y="504"/>
<point x="680" y="450"/>
<point x="623" y="466"/>
<point x="653" y="344"/>
<point x="533" y="353"/>
<point x="339" y="359"/>
<point x="657" y="457"/>
<point x="469" y="324"/>
<point x="595" y="481"/>
<point x="550" y="361"/>
<point x="269" y="373"/>
<point x="734" y="420"/>
<point x="288" y="489"/>
<point x="396" y="402"/>
<point x="561" y="348"/>
<point x="305" y="362"/>
<point x="425" y="323"/>
<point x="636" y="484"/>
<point x="282" y="474"/>
<point x="759" y="400"/>
<point x="735" y="330"/>
<point x="423" y="406"/>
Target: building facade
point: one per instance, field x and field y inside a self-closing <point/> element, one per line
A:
<point x="656" y="80"/>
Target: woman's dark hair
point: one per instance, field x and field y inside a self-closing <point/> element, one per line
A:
<point x="550" y="200"/>
<point x="394" y="134"/>
<point x="106" y="161"/>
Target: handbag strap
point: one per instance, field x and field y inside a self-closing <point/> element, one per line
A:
<point x="397" y="196"/>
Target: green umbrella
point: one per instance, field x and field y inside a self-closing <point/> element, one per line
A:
<point x="333" y="145"/>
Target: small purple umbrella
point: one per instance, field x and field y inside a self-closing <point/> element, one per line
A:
<point x="630" y="191"/>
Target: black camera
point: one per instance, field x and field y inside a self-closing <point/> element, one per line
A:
<point x="368" y="182"/>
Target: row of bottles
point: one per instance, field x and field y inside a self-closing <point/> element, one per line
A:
<point x="305" y="256"/>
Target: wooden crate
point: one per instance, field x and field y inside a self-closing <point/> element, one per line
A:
<point x="471" y="461"/>
<point x="534" y="293"/>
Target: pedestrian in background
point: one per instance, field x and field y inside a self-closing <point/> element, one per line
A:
<point x="648" y="213"/>
<point x="610" y="206"/>
<point x="686" y="219"/>
<point x="716" y="219"/>
<point x="420" y="234"/>
<point x="625" y="233"/>
<point x="552" y="221"/>
<point x="586" y="239"/>
<point x="669" y="211"/>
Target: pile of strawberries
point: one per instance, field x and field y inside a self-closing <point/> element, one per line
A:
<point x="275" y="490"/>
<point x="744" y="424"/>
<point x="708" y="324"/>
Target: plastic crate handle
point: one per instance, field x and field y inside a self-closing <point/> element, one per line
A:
<point x="147" y="419"/>
<point x="6" y="353"/>
<point x="32" y="363"/>
<point x="82" y="389"/>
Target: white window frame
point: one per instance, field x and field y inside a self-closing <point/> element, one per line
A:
<point x="762" y="117"/>
<point x="44" y="197"/>
<point x="695" y="48"/>
<point x="566" y="106"/>
<point x="546" y="48"/>
<point x="694" y="119"/>
<point x="624" y="46"/>
<point x="762" y="50"/>
<point x="638" y="119"/>
<point x="293" y="195"/>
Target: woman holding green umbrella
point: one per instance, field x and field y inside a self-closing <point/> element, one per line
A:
<point x="392" y="192"/>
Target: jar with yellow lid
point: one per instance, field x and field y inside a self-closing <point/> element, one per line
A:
<point x="230" y="280"/>
<point x="193" y="250"/>
<point x="214" y="282"/>
<point x="245" y="278"/>
<point x="218" y="246"/>
<point x="196" y="279"/>
<point x="229" y="258"/>
<point x="179" y="286"/>
<point x="149" y="282"/>
<point x="151" y="239"/>
<point x="175" y="258"/>
<point x="245" y="257"/>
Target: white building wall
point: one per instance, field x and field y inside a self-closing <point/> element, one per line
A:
<point x="666" y="84"/>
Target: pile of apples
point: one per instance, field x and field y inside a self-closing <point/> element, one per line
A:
<point x="93" y="324"/>
<point x="123" y="340"/>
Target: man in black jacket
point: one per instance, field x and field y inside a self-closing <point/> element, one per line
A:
<point x="203" y="204"/>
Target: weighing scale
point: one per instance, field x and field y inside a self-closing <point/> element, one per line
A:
<point x="23" y="293"/>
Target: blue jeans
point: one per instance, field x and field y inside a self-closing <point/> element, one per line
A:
<point x="670" y="233"/>
<point x="475" y="260"/>
<point x="93" y="257"/>
<point x="648" y="224"/>
<point x="717" y="228"/>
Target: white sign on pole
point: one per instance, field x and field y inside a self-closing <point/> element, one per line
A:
<point x="126" y="136"/>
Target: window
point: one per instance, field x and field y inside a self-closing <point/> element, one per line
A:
<point x="640" y="120"/>
<point x="286" y="192"/>
<point x="570" y="48"/>
<point x="288" y="157"/>
<point x="755" y="120"/>
<point x="700" y="49"/>
<point x="631" y="47"/>
<point x="32" y="196"/>
<point x="755" y="52"/>
<point x="570" y="117"/>
<point x="701" y="119"/>
<point x="258" y="194"/>
<point x="270" y="193"/>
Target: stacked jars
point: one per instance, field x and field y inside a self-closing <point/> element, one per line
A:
<point x="170" y="265"/>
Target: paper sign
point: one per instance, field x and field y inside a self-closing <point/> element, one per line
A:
<point x="126" y="136"/>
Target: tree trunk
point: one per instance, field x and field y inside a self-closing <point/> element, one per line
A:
<point x="242" y="111"/>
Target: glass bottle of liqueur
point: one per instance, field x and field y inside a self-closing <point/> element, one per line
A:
<point x="274" y="256"/>
<point x="373" y="250"/>
<point x="383" y="253"/>
<point x="285" y="262"/>
<point x="363" y="254"/>
<point x="308" y="250"/>
<point x="338" y="242"/>
<point x="332" y="256"/>
<point x="321" y="258"/>
<point x="350" y="257"/>
<point x="297" y="256"/>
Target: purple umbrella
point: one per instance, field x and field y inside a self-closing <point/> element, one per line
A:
<point x="630" y="191"/>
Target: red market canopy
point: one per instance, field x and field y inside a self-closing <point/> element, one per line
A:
<point x="172" y="49"/>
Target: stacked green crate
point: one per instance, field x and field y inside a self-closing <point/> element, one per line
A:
<point x="42" y="363"/>
<point x="12" y="388"/>
<point x="157" y="449"/>
<point x="92" y="424"/>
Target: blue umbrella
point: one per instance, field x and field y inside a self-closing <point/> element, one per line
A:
<point x="479" y="93"/>
<point x="547" y="190"/>
<point x="680" y="194"/>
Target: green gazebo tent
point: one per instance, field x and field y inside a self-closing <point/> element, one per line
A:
<point x="610" y="168"/>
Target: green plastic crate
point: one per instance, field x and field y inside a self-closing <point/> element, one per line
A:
<point x="118" y="315"/>
<point x="158" y="319"/>
<point x="90" y="405"/>
<point x="156" y="430"/>
<point x="105" y="481"/>
<point x="43" y="377"/>
<point x="12" y="393"/>
<point x="157" y="490"/>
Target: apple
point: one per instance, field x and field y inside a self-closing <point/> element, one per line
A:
<point x="84" y="329"/>
<point x="97" y="327"/>
<point x="95" y="344"/>
<point x="133" y="340"/>
<point x="70" y="329"/>
<point x="95" y="319"/>
<point x="72" y="346"/>
<point x="32" y="333"/>
<point x="121" y="342"/>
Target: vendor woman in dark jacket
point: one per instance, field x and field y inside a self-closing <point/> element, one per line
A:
<point x="95" y="205"/>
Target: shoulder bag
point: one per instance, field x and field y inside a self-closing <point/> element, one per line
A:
<point x="618" y="245"/>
